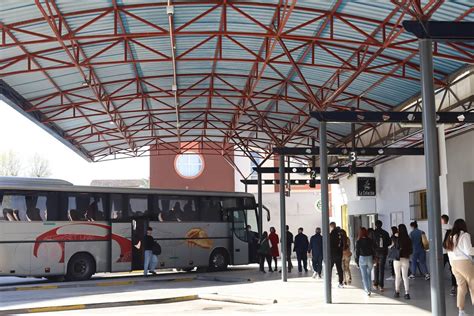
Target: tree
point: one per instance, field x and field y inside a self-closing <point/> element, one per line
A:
<point x="39" y="167"/>
<point x="10" y="164"/>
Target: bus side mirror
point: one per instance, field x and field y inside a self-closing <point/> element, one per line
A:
<point x="268" y="212"/>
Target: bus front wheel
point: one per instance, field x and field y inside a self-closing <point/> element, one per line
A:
<point x="218" y="260"/>
<point x="81" y="267"/>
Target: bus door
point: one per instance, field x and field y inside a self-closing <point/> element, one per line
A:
<point x="240" y="247"/>
<point x="139" y="226"/>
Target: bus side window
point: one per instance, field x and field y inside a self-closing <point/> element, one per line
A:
<point x="116" y="207"/>
<point x="211" y="209"/>
<point x="137" y="206"/>
<point x="23" y="206"/>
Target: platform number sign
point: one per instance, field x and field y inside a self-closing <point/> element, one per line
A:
<point x="366" y="186"/>
<point x="352" y="156"/>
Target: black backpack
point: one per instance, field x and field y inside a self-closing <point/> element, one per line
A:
<point x="156" y="250"/>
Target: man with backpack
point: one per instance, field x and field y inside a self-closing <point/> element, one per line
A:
<point x="336" y="245"/>
<point x="381" y="243"/>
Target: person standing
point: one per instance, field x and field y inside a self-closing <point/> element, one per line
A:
<point x="364" y="258"/>
<point x="335" y="240"/>
<point x="346" y="257"/>
<point x="289" y="242"/>
<point x="459" y="249"/>
<point x="265" y="253"/>
<point x="390" y="260"/>
<point x="316" y="251"/>
<point x="274" y="240"/>
<point x="400" y="252"/>
<point x="446" y="229"/>
<point x="381" y="243"/>
<point x="301" y="249"/>
<point x="252" y="240"/>
<point x="419" y="253"/>
<point x="150" y="260"/>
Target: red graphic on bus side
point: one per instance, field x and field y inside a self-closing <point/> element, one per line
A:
<point x="124" y="243"/>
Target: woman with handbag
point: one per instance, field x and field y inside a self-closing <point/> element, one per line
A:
<point x="400" y="252"/>
<point x="459" y="249"/>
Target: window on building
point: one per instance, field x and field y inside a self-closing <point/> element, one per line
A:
<point x="418" y="207"/>
<point x="189" y="165"/>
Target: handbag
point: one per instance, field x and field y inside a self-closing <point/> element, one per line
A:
<point x="156" y="250"/>
<point x="394" y="252"/>
<point x="425" y="242"/>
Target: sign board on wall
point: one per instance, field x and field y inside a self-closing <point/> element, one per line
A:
<point x="366" y="186"/>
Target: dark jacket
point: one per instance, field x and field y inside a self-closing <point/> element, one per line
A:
<point x="336" y="242"/>
<point x="301" y="243"/>
<point x="264" y="248"/>
<point x="316" y="246"/>
<point x="148" y="242"/>
<point x="381" y="242"/>
<point x="365" y="248"/>
<point x="289" y="240"/>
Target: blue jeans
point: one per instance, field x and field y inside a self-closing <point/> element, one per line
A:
<point x="150" y="262"/>
<point x="420" y="256"/>
<point x="365" y="265"/>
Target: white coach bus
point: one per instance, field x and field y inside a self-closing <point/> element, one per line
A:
<point x="51" y="228"/>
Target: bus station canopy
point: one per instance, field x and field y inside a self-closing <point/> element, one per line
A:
<point x="121" y="78"/>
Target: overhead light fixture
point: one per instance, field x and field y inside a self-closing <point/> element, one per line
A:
<point x="170" y="10"/>
<point x="461" y="118"/>
<point x="297" y="181"/>
<point x="336" y="170"/>
<point x="385" y="117"/>
<point x="294" y="169"/>
<point x="344" y="151"/>
<point x="360" y="117"/>
<point x="411" y="117"/>
<point x="380" y="151"/>
<point x="437" y="118"/>
<point x="308" y="151"/>
<point x="307" y="181"/>
<point x="274" y="182"/>
<point x="85" y="83"/>
<point x="308" y="169"/>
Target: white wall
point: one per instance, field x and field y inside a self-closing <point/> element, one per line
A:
<point x="460" y="169"/>
<point x="300" y="211"/>
<point x="395" y="180"/>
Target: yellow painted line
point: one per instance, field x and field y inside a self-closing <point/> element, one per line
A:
<point x="35" y="288"/>
<point x="180" y="299"/>
<point x="56" y="308"/>
<point x="115" y="283"/>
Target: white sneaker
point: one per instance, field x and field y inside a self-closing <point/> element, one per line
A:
<point x="427" y="277"/>
<point x="411" y="277"/>
<point x="390" y="278"/>
<point x="314" y="275"/>
<point x="340" y="286"/>
<point x="463" y="313"/>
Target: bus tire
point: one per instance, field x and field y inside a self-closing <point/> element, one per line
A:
<point x="218" y="260"/>
<point x="80" y="267"/>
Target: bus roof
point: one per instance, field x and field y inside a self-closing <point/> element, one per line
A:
<point x="46" y="184"/>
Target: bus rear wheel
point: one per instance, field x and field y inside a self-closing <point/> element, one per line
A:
<point x="218" y="260"/>
<point x="81" y="267"/>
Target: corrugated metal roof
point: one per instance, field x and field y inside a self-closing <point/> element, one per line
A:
<point x="219" y="76"/>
